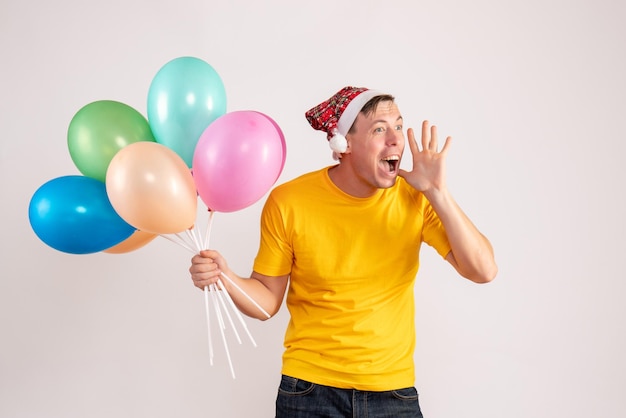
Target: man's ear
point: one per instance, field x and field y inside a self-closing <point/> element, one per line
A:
<point x="348" y="147"/>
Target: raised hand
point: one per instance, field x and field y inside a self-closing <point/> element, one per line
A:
<point x="428" y="172"/>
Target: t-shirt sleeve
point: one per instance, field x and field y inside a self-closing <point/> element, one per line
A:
<point x="275" y="254"/>
<point x="434" y="234"/>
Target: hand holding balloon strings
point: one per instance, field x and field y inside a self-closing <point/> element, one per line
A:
<point x="217" y="292"/>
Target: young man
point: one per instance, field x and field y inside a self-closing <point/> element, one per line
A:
<point x="344" y="242"/>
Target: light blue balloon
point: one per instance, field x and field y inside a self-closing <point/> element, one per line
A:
<point x="73" y="214"/>
<point x="185" y="96"/>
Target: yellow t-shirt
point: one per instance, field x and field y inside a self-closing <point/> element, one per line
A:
<point x="352" y="265"/>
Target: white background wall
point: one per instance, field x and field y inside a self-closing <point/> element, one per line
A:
<point x="533" y="93"/>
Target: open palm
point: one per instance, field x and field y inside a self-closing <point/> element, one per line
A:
<point x="428" y="172"/>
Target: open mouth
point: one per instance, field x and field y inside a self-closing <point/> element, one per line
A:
<point x="391" y="162"/>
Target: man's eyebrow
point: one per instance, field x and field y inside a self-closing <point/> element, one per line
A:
<point x="383" y="120"/>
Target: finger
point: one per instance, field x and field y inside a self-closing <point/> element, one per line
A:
<point x="412" y="142"/>
<point x="425" y="135"/>
<point x="433" y="139"/>
<point x="201" y="284"/>
<point x="446" y="146"/>
<point x="207" y="253"/>
<point x="199" y="260"/>
<point x="205" y="277"/>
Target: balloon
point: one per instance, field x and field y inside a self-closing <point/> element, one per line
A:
<point x="99" y="130"/>
<point x="73" y="214"/>
<point x="137" y="240"/>
<point x="282" y="141"/>
<point x="152" y="189"/>
<point x="185" y="96"/>
<point x="237" y="160"/>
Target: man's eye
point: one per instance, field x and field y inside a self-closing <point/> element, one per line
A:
<point x="398" y="127"/>
<point x="380" y="129"/>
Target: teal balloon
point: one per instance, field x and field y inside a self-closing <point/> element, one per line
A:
<point x="73" y="214"/>
<point x="185" y="96"/>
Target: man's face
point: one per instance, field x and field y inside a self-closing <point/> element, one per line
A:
<point x="375" y="146"/>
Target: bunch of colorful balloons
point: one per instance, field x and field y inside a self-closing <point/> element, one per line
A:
<point x="141" y="177"/>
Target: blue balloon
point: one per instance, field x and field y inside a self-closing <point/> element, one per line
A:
<point x="185" y="96"/>
<point x="73" y="214"/>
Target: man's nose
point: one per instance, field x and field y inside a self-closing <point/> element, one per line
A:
<point x="393" y="136"/>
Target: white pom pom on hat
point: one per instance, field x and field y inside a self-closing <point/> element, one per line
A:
<point x="336" y="115"/>
<point x="338" y="142"/>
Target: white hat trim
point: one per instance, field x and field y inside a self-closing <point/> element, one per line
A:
<point x="352" y="110"/>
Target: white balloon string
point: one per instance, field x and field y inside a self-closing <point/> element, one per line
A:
<point x="246" y="295"/>
<point x="182" y="244"/>
<point x="216" y="305"/>
<point x="186" y="241"/>
<point x="220" y="297"/>
<point x="207" y="234"/>
<point x="220" y="317"/>
<point x="192" y="236"/>
<point x="208" y="322"/>
<point x="234" y="308"/>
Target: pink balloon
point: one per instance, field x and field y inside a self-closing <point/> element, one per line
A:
<point x="282" y="140"/>
<point x="237" y="159"/>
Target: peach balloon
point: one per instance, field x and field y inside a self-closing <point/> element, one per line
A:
<point x="152" y="189"/>
<point x="137" y="240"/>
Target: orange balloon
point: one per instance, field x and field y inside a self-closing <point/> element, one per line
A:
<point x="152" y="189"/>
<point x="137" y="240"/>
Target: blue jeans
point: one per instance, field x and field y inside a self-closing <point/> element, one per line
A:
<point x="301" y="399"/>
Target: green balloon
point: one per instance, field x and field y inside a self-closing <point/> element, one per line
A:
<point x="99" y="130"/>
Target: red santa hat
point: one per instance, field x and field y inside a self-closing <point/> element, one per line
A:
<point x="336" y="115"/>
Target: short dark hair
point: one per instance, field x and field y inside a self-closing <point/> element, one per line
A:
<point x="371" y="106"/>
